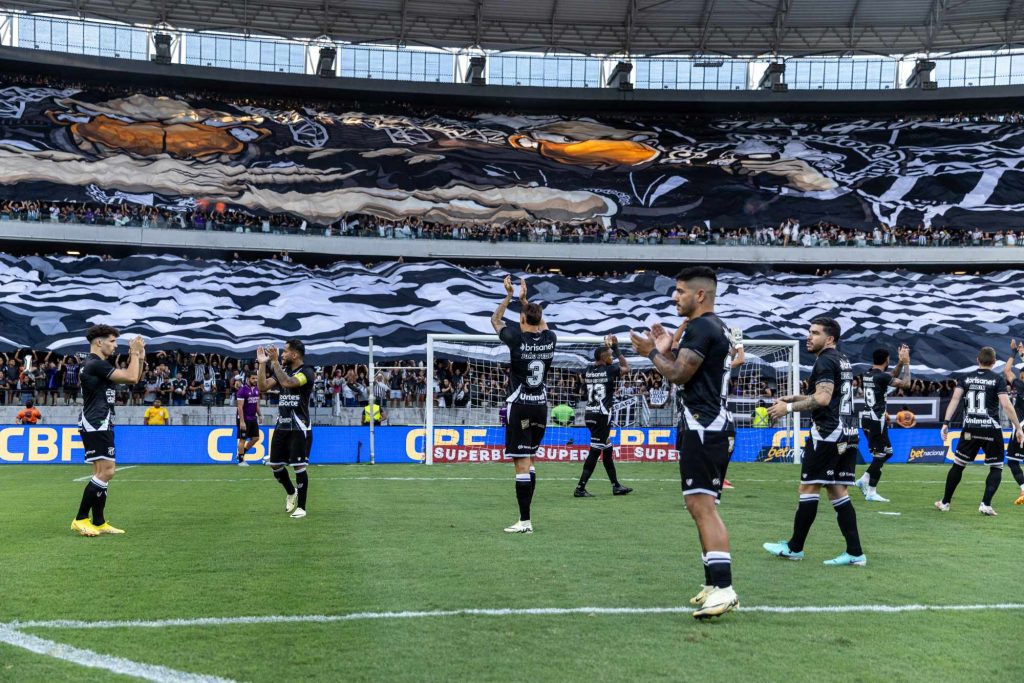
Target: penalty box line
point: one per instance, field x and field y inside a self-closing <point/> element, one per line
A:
<point x="501" y="612"/>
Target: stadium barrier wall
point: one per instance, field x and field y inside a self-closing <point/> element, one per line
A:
<point x="178" y="445"/>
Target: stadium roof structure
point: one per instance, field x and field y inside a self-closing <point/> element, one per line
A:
<point x="605" y="27"/>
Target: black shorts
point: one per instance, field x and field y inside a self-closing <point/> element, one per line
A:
<point x="1015" y="451"/>
<point x="974" y="439"/>
<point x="98" y="445"/>
<point x="829" y="462"/>
<point x="703" y="460"/>
<point x="290" y="447"/>
<point x="600" y="428"/>
<point x="877" y="436"/>
<point x="250" y="429"/>
<point x="525" y="429"/>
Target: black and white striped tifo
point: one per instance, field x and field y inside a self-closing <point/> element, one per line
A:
<point x="213" y="306"/>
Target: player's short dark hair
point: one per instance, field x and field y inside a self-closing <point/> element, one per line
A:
<point x="97" y="331"/>
<point x="29" y="404"/>
<point x="599" y="351"/>
<point x="297" y="346"/>
<point x="697" y="273"/>
<point x="987" y="355"/>
<point x="880" y="356"/>
<point x="533" y="313"/>
<point x="830" y="326"/>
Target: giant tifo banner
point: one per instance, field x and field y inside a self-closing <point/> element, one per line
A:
<point x="111" y="147"/>
<point x="135" y="445"/>
<point x="231" y="308"/>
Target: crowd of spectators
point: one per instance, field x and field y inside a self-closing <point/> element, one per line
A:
<point x="216" y="216"/>
<point x="790" y="233"/>
<point x="179" y="378"/>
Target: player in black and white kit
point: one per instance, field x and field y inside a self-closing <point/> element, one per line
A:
<point x="706" y="432"/>
<point x="293" y="434"/>
<point x="601" y="378"/>
<point x="984" y="392"/>
<point x="531" y="347"/>
<point x="96" y="423"/>
<point x="877" y="384"/>
<point x="830" y="456"/>
<point x="1015" y="453"/>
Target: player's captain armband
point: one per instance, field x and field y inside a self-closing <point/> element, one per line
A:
<point x="300" y="378"/>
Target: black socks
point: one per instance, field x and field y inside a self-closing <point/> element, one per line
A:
<point x="93" y="498"/>
<point x="995" y="475"/>
<point x="588" y="467"/>
<point x="609" y="466"/>
<point x="956" y="473"/>
<point x="847" y="518"/>
<point x="524" y="495"/>
<point x="875" y="468"/>
<point x="806" y="511"/>
<point x="281" y="474"/>
<point x="302" y="485"/>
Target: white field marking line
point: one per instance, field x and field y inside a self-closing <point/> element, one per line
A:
<point x="119" y="469"/>
<point x="95" y="660"/>
<point x="502" y="612"/>
<point x="630" y="480"/>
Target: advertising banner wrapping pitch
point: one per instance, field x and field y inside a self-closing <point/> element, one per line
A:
<point x="61" y="444"/>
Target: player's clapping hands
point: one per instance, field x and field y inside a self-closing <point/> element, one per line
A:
<point x="904" y="354"/>
<point x="508" y="285"/>
<point x="261" y="354"/>
<point x="272" y="353"/>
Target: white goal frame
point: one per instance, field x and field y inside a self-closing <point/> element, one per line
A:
<point x="791" y="421"/>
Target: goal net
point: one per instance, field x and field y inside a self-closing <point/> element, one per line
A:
<point x="770" y="370"/>
<point x="465" y="421"/>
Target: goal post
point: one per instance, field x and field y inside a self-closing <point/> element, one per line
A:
<point x="472" y="389"/>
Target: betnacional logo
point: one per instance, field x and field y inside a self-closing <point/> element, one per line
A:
<point x="927" y="454"/>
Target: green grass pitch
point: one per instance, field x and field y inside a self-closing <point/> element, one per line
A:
<point x="207" y="541"/>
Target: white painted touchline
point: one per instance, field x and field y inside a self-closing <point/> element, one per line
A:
<point x="674" y="480"/>
<point x="119" y="469"/>
<point x="500" y="612"/>
<point x="95" y="660"/>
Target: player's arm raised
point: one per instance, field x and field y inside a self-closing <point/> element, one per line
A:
<point x="954" y="403"/>
<point x="133" y="373"/>
<point x="280" y="375"/>
<point x="613" y="343"/>
<point x="497" y="319"/>
<point x="901" y="373"/>
<point x="655" y="345"/>
<point x="739" y="356"/>
<point x="262" y="381"/>
<point x="1008" y="368"/>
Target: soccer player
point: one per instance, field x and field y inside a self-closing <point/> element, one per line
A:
<point x="985" y="392"/>
<point x="876" y="387"/>
<point x="706" y="432"/>
<point x="831" y="454"/>
<point x="293" y="434"/>
<point x="738" y="355"/>
<point x="248" y="417"/>
<point x="531" y="347"/>
<point x="96" y="423"/>
<point x="601" y="378"/>
<point x="1015" y="454"/>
